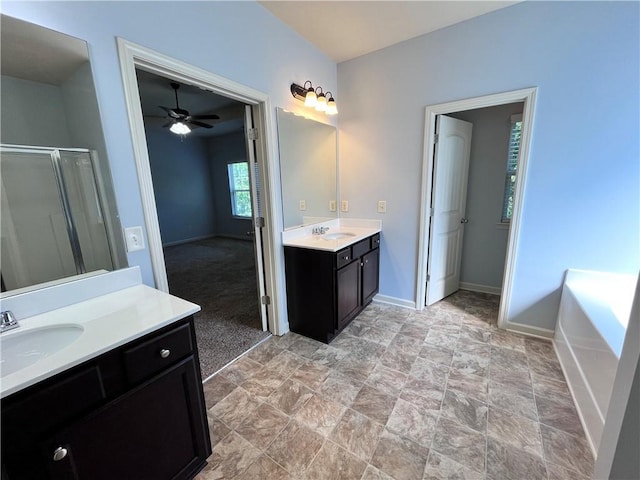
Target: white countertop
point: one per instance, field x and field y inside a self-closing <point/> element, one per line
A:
<point x="107" y="321"/>
<point x="303" y="238"/>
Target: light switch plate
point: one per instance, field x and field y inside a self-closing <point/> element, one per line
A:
<point x="382" y="206"/>
<point x="303" y="204"/>
<point x="344" y="205"/>
<point x="332" y="205"/>
<point x="134" y="239"/>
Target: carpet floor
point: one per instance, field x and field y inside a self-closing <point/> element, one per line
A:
<point x="219" y="275"/>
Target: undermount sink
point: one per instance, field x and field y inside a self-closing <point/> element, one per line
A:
<point x="21" y="349"/>
<point x="337" y="235"/>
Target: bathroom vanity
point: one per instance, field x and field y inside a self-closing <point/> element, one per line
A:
<point x="122" y="400"/>
<point x="331" y="278"/>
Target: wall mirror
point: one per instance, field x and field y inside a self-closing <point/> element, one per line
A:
<point x="57" y="208"/>
<point x="308" y="165"/>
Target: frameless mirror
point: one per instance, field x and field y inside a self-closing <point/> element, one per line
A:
<point x="308" y="165"/>
<point x="57" y="207"/>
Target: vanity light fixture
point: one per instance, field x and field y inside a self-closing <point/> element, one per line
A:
<point x="315" y="97"/>
<point x="180" y="128"/>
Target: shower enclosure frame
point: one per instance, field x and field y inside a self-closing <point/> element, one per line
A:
<point x="63" y="192"/>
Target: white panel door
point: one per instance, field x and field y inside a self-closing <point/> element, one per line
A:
<point x="448" y="202"/>
<point x="256" y="206"/>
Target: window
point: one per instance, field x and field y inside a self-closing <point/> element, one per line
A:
<point x="239" y="187"/>
<point x="512" y="166"/>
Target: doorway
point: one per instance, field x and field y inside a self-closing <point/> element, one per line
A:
<point x="527" y="98"/>
<point x="258" y="129"/>
<point x="203" y="195"/>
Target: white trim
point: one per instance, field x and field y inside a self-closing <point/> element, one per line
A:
<point x="476" y="287"/>
<point x="528" y="330"/>
<point x="568" y="363"/>
<point x="131" y="56"/>
<point x="398" y="302"/>
<point x="528" y="96"/>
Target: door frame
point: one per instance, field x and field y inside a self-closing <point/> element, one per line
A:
<point x="134" y="56"/>
<point x="528" y="97"/>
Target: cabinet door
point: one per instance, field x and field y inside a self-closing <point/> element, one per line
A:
<point x="370" y="266"/>
<point x="157" y="431"/>
<point x="348" y="292"/>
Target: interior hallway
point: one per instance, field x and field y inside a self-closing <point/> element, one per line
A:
<point x="399" y="394"/>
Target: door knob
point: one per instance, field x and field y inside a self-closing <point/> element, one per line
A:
<point x="59" y="454"/>
<point x="464" y="220"/>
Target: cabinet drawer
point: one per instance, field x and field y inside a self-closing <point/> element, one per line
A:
<point x="360" y="248"/>
<point x="343" y="257"/>
<point x="375" y="241"/>
<point x="157" y="353"/>
<point x="55" y="402"/>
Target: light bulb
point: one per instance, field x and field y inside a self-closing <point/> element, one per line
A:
<point x="332" y="108"/>
<point x="180" y="128"/>
<point x="321" y="106"/>
<point x="310" y="100"/>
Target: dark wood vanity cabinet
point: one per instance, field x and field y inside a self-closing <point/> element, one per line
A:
<point x="136" y="412"/>
<point x="326" y="290"/>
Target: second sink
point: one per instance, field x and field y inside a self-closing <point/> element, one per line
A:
<point x="337" y="235"/>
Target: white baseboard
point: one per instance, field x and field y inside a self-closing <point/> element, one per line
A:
<point x="399" y="302"/>
<point x="476" y="287"/>
<point x="528" y="330"/>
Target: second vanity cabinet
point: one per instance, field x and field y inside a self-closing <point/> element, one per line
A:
<point x="134" y="412"/>
<point x="326" y="290"/>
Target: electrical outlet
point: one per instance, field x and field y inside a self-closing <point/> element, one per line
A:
<point x="382" y="206"/>
<point x="332" y="205"/>
<point x="134" y="239"/>
<point x="303" y="204"/>
<point x="344" y="205"/>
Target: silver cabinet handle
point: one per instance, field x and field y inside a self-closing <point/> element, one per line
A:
<point x="164" y="353"/>
<point x="464" y="220"/>
<point x="59" y="454"/>
<point x="347" y="257"/>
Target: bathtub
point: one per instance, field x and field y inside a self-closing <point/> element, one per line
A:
<point x="592" y="321"/>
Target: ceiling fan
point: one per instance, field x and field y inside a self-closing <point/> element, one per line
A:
<point x="181" y="120"/>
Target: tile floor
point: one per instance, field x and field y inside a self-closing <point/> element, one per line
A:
<point x="399" y="394"/>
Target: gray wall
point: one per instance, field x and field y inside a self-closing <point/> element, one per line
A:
<point x="223" y="150"/>
<point x="182" y="186"/>
<point x="485" y="239"/>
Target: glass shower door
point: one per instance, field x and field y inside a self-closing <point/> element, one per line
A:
<point x="35" y="244"/>
<point x="51" y="222"/>
<point x="85" y="209"/>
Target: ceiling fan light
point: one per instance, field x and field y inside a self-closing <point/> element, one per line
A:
<point x="180" y="128"/>
<point x="310" y="100"/>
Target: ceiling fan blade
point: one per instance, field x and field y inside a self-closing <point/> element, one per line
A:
<point x="170" y="111"/>
<point x="206" y="117"/>
<point x="200" y="124"/>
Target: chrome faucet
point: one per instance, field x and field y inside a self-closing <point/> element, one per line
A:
<point x="7" y="321"/>
<point x="320" y="230"/>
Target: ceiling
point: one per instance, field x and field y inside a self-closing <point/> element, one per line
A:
<point x="347" y="29"/>
<point x="156" y="90"/>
